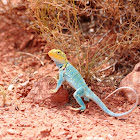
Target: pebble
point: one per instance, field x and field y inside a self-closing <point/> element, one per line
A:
<point x="11" y="131"/>
<point x="45" y="132"/>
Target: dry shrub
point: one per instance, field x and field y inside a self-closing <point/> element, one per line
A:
<point x="90" y="32"/>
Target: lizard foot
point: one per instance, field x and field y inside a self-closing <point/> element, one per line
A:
<point x="53" y="91"/>
<point x="77" y="109"/>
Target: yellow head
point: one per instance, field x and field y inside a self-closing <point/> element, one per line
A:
<point x="58" y="56"/>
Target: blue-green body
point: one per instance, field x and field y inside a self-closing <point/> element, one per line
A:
<point x="70" y="74"/>
<point x="73" y="77"/>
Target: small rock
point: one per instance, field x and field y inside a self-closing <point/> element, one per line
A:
<point x="6" y="109"/>
<point x="45" y="132"/>
<point x="22" y="109"/>
<point x="110" y="136"/>
<point x="23" y="84"/>
<point x="91" y="30"/>
<point x="10" y="87"/>
<point x="11" y="131"/>
<point x="64" y="133"/>
<point x="132" y="80"/>
<point x="79" y="135"/>
<point x="40" y="93"/>
<point x="68" y="137"/>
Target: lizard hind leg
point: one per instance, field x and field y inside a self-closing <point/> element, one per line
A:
<point x="86" y="99"/>
<point x="77" y="95"/>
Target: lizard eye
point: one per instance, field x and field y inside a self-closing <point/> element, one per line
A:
<point x="58" y="52"/>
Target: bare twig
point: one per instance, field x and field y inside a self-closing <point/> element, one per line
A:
<point x="112" y="65"/>
<point x="33" y="56"/>
<point x="99" y="41"/>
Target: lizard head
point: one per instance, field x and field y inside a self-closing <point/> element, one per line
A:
<point x="58" y="56"/>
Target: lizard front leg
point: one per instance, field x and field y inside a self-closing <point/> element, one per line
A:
<point x="60" y="81"/>
<point x="77" y="95"/>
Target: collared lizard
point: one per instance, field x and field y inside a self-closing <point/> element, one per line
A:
<point x="69" y="73"/>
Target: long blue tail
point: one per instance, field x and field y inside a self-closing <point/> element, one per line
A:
<point x="98" y="101"/>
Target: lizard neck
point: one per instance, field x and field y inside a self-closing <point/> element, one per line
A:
<point x="61" y="66"/>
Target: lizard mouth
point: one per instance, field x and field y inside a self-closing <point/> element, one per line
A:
<point x="53" y="53"/>
<point x="50" y="53"/>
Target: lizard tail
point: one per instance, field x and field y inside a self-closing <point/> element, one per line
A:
<point x="98" y="101"/>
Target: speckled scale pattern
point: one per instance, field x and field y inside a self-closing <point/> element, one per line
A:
<point x="73" y="77"/>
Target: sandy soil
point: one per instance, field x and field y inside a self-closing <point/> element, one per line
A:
<point x="23" y="120"/>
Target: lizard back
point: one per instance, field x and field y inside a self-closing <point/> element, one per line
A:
<point x="73" y="77"/>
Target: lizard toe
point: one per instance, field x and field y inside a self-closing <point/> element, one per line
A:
<point x="81" y="109"/>
<point x="53" y="91"/>
<point x="75" y="109"/>
<point x="86" y="99"/>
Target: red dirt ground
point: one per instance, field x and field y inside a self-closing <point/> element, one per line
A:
<point x="23" y="120"/>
